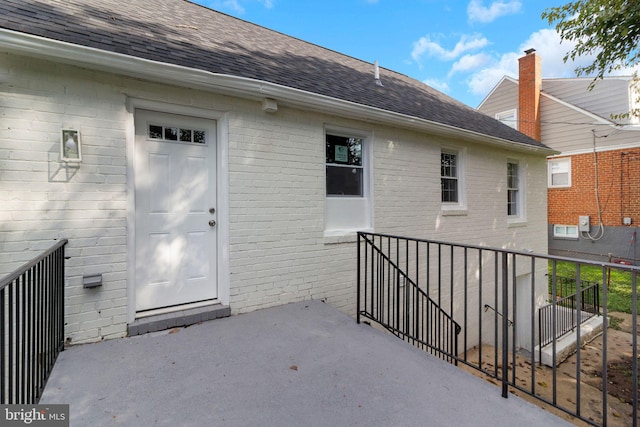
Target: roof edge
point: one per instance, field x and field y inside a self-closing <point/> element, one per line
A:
<point x="98" y="59"/>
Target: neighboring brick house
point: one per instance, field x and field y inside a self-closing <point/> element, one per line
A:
<point x="195" y="160"/>
<point x="597" y="171"/>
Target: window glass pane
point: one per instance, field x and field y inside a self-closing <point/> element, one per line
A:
<point x="199" y="136"/>
<point x="448" y="165"/>
<point x="185" y="135"/>
<point x="171" y="134"/>
<point x="512" y="175"/>
<point x="449" y="190"/>
<point x="559" y="167"/>
<point x="344" y="150"/>
<point x="344" y="181"/>
<point x="560" y="179"/>
<point x="508" y="118"/>
<point x="155" y="132"/>
<point x="512" y="202"/>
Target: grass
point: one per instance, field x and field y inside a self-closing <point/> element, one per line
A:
<point x="619" y="296"/>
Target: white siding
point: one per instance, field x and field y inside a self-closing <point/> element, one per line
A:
<point x="608" y="96"/>
<point x="278" y="252"/>
<point x="503" y="98"/>
<point x="568" y="130"/>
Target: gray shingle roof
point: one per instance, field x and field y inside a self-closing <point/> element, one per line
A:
<point x="186" y="34"/>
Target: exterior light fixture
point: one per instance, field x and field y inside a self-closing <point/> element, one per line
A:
<point x="70" y="146"/>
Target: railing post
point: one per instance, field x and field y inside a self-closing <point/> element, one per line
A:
<point x="358" y="280"/>
<point x="505" y="325"/>
<point x="634" y="334"/>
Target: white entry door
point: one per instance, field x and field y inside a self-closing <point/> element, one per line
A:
<point x="175" y="202"/>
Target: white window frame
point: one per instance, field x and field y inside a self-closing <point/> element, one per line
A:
<point x="521" y="189"/>
<point x="345" y="215"/>
<point x="461" y="204"/>
<point x="509" y="118"/>
<point x="561" y="231"/>
<point x="550" y="174"/>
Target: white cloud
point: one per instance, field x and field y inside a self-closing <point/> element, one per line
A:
<point x="469" y="63"/>
<point x="548" y="46"/>
<point x="425" y="45"/>
<point x="481" y="82"/>
<point x="440" y="85"/>
<point x="235" y="6"/>
<point x="479" y="13"/>
<point x="231" y="5"/>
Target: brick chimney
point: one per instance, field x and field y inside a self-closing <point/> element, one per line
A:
<point x="529" y="83"/>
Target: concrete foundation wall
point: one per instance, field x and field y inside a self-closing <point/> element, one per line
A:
<point x="618" y="242"/>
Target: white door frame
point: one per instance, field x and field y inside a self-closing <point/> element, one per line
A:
<point x="222" y="176"/>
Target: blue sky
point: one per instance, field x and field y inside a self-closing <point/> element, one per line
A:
<point x="460" y="47"/>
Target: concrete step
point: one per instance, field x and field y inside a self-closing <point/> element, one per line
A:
<point x="191" y="316"/>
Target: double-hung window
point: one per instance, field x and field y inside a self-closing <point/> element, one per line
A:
<point x="348" y="188"/>
<point x="449" y="177"/>
<point x="559" y="173"/>
<point x="513" y="190"/>
<point x="452" y="187"/>
<point x="516" y="209"/>
<point x="344" y="166"/>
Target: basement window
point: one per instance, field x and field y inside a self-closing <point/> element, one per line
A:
<point x="565" y="231"/>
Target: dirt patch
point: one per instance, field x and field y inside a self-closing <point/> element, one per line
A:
<point x="562" y="388"/>
<point x="620" y="379"/>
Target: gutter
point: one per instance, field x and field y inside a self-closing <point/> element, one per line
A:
<point x="101" y="60"/>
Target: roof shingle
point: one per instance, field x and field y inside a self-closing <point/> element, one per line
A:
<point x="183" y="33"/>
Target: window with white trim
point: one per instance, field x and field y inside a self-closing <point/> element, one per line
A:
<point x="514" y="208"/>
<point x="565" y="231"/>
<point x="515" y="190"/>
<point x="449" y="177"/>
<point x="559" y="173"/>
<point x="452" y="178"/>
<point x="509" y="118"/>
<point x="347" y="172"/>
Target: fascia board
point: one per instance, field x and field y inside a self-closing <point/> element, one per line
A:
<point x="97" y="59"/>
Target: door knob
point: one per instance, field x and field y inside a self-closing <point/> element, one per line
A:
<point x="212" y="223"/>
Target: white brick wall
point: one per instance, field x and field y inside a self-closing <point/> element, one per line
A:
<point x="278" y="252"/>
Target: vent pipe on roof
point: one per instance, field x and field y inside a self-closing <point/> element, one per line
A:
<point x="376" y="73"/>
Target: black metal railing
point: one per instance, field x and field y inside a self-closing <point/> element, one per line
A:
<point x="398" y="276"/>
<point x="392" y="299"/>
<point x="32" y="322"/>
<point x="567" y="313"/>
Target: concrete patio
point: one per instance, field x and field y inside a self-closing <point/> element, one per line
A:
<point x="303" y="364"/>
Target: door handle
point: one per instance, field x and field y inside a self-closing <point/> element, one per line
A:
<point x="212" y="223"/>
